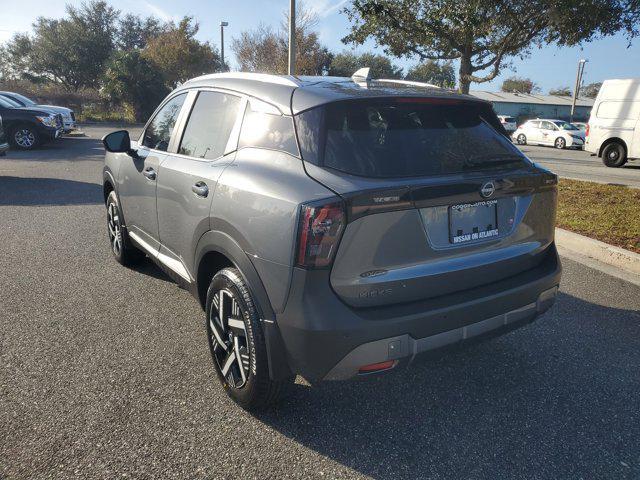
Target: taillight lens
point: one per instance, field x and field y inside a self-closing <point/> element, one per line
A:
<point x="321" y="226"/>
<point x="586" y="132"/>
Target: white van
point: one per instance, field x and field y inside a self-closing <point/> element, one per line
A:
<point x="613" y="132"/>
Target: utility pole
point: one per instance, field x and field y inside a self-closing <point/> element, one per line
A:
<point x="576" y="90"/>
<point x="222" y="25"/>
<point x="292" y="37"/>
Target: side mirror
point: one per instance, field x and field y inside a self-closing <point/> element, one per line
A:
<point x="118" y="142"/>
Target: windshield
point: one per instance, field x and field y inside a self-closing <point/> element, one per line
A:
<point x="7" y="103"/>
<point x="16" y="97"/>
<point x="565" y="126"/>
<point x="404" y="137"/>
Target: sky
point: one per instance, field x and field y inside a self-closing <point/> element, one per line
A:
<point x="549" y="67"/>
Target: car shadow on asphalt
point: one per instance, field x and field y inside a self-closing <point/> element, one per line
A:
<point x="30" y="191"/>
<point x="555" y="399"/>
<point x="66" y="149"/>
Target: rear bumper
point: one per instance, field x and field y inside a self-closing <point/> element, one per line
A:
<point x="328" y="340"/>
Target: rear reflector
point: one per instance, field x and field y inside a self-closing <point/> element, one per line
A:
<point x="378" y="367"/>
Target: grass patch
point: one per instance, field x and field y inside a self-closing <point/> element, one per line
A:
<point x="608" y="213"/>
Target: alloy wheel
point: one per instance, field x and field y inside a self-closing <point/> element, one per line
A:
<point x="115" y="229"/>
<point x="228" y="334"/>
<point x="24" y="138"/>
<point x="521" y="139"/>
<point x="613" y="155"/>
<point x="560" y="143"/>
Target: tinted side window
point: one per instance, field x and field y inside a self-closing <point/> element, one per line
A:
<point x="209" y="125"/>
<point x="158" y="133"/>
<point x="266" y="130"/>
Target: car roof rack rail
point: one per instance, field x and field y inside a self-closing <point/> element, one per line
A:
<point x="287" y="80"/>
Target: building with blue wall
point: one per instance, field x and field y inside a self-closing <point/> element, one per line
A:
<point x="524" y="106"/>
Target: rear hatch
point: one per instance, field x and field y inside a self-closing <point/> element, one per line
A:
<point x="438" y="199"/>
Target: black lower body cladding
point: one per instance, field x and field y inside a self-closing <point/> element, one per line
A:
<point x="320" y="331"/>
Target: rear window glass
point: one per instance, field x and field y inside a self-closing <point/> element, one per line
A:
<point x="404" y="137"/>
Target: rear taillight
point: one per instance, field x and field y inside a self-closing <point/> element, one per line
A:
<point x="586" y="132"/>
<point x="319" y="231"/>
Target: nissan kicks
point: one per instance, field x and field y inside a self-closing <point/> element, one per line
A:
<point x="333" y="227"/>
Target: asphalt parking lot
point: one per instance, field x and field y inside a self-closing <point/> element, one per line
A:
<point x="105" y="372"/>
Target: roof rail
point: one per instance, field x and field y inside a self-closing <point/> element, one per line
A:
<point x="408" y="82"/>
<point x="287" y="80"/>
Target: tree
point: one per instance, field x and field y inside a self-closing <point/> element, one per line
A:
<point x="133" y="80"/>
<point x="346" y="63"/>
<point x="73" y="50"/>
<point x="440" y="74"/>
<point x="179" y="56"/>
<point x="135" y="31"/>
<point x="519" y="85"/>
<point x="484" y="35"/>
<point x="560" y="91"/>
<point x="265" y="50"/>
<point x="591" y="90"/>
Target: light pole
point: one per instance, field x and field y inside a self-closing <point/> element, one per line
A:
<point x="222" y="25"/>
<point x="292" y="37"/>
<point x="576" y="90"/>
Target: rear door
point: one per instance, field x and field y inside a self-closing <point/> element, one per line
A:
<point x="204" y="147"/>
<point x="437" y="199"/>
<point x="138" y="176"/>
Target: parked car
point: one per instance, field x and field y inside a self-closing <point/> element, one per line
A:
<point x="580" y="126"/>
<point x="68" y="115"/>
<point x="509" y="123"/>
<point x="4" y="144"/>
<point x="28" y="128"/>
<point x="330" y="227"/>
<point x="555" y="133"/>
<point x="613" y="133"/>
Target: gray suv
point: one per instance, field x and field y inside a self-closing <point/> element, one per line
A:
<point x="333" y="227"/>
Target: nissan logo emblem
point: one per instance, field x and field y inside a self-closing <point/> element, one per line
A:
<point x="487" y="189"/>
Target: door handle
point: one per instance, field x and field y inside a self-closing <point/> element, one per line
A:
<point x="150" y="173"/>
<point x="200" y="189"/>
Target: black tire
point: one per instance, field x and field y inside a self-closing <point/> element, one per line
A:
<point x="121" y="247"/>
<point x="246" y="380"/>
<point x="614" y="155"/>
<point x="25" y="137"/>
<point x="521" y="139"/>
<point x="560" y="143"/>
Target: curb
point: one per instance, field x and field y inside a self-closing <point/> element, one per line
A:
<point x="615" y="256"/>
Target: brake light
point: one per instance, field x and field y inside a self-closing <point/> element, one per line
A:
<point x="586" y="132"/>
<point x="319" y="231"/>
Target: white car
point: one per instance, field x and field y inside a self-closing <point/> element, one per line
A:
<point x="555" y="133"/>
<point x="509" y="123"/>
<point x="68" y="117"/>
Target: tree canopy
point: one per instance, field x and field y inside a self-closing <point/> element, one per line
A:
<point x="346" y="63"/>
<point x="519" y="85"/>
<point x="561" y="91"/>
<point x="590" y="90"/>
<point x="266" y="50"/>
<point x="441" y="74"/>
<point x="484" y="35"/>
<point x="178" y="55"/>
<point x="136" y="82"/>
<point x="73" y="50"/>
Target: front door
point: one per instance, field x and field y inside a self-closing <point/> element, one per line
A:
<point x="138" y="177"/>
<point x="189" y="176"/>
